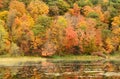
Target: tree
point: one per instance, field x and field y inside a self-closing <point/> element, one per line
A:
<point x="26" y="2"/>
<point x="39" y="29"/>
<point x="3" y="38"/>
<point x="71" y="37"/>
<point x="19" y="7"/>
<point x="92" y="15"/>
<point x="71" y="2"/>
<point x="44" y="20"/>
<point x="109" y="46"/>
<point x="75" y="11"/>
<point x="61" y="5"/>
<point x="36" y="8"/>
<point x="21" y="33"/>
<point x="11" y="17"/>
<point x="53" y="11"/>
<point x="55" y="37"/>
<point x="86" y="10"/>
<point x="4" y="4"/>
<point x="83" y="3"/>
<point x="98" y="10"/>
<point x="20" y="26"/>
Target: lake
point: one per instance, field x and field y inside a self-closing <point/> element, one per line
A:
<point x="61" y="69"/>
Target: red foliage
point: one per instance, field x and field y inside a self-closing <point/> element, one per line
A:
<point x="71" y="37"/>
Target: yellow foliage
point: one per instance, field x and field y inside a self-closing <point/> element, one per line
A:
<point x="116" y="21"/>
<point x="99" y="11"/>
<point x="37" y="8"/>
<point x="27" y="20"/>
<point x="87" y="9"/>
<point x="116" y="31"/>
<point x="109" y="47"/>
<point x="82" y="24"/>
<point x="36" y="42"/>
<point x="3" y="15"/>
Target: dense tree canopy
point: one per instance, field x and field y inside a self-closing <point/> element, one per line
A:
<point x="59" y="27"/>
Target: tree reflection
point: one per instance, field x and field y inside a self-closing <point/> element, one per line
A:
<point x="63" y="70"/>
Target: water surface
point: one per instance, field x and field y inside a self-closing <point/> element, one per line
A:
<point x="62" y="70"/>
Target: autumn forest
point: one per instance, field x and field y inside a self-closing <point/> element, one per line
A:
<point x="59" y="27"/>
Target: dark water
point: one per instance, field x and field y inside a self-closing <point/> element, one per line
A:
<point x="62" y="70"/>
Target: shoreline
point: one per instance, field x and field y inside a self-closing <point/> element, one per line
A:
<point x="16" y="61"/>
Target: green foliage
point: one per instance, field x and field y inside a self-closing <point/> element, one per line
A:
<point x="83" y="3"/>
<point x="53" y="10"/>
<point x="71" y="2"/>
<point x="62" y="22"/>
<point x="106" y="33"/>
<point x="101" y="25"/>
<point x="90" y="47"/>
<point x="44" y="20"/>
<point x="95" y="2"/>
<point x="42" y="23"/>
<point x="26" y="2"/>
<point x="39" y="30"/>
<point x="93" y="15"/>
<point x="60" y="4"/>
<point x="40" y="26"/>
<point x="63" y="6"/>
<point x="104" y="6"/>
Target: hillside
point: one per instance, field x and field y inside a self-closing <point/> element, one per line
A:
<point x="59" y="27"/>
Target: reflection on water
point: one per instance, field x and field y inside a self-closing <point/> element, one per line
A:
<point x="62" y="70"/>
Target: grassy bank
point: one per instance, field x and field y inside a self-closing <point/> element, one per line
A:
<point x="66" y="57"/>
<point x="11" y="61"/>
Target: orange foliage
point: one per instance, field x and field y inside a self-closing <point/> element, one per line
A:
<point x="71" y="37"/>
<point x="87" y="9"/>
<point x="75" y="11"/>
<point x="1" y="2"/>
<point x="98" y="37"/>
<point x="18" y="6"/>
<point x="109" y="47"/>
<point x="49" y="49"/>
<point x="99" y="11"/>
